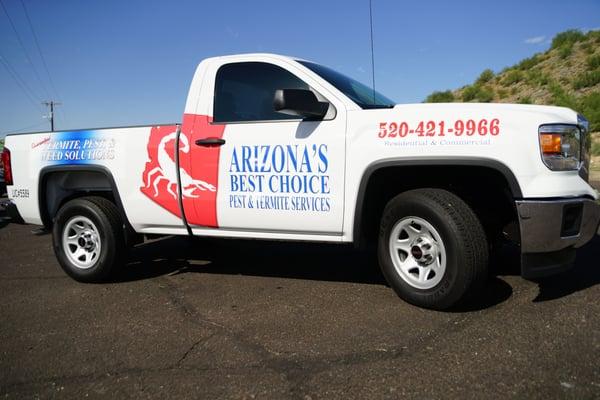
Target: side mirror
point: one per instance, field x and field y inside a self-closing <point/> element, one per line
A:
<point x="299" y="102"/>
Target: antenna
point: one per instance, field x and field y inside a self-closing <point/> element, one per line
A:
<point x="372" y="51"/>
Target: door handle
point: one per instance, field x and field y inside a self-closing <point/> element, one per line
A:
<point x="210" y="142"/>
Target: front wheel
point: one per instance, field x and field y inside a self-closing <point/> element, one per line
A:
<point x="88" y="238"/>
<point x="432" y="248"/>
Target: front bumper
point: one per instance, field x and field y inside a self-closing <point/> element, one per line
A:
<point x="551" y="230"/>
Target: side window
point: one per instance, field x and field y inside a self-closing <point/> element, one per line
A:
<point x="244" y="91"/>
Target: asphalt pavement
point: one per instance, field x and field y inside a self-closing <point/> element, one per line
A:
<point x="265" y="320"/>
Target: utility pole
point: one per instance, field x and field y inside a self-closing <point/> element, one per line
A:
<point x="51" y="104"/>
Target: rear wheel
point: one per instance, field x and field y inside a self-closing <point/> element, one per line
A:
<point x="88" y="238"/>
<point x="432" y="248"/>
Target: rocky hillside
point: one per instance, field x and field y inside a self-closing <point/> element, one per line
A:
<point x="568" y="74"/>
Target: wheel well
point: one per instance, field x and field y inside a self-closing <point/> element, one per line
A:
<point x="59" y="186"/>
<point x="486" y="190"/>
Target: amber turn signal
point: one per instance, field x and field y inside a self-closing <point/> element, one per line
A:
<point x="551" y="143"/>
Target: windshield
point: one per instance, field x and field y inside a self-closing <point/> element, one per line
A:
<point x="361" y="94"/>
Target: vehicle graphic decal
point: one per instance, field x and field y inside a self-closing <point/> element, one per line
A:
<point x="198" y="168"/>
<point x="291" y="177"/>
<point x="75" y="147"/>
<point x="203" y="164"/>
<point x="159" y="182"/>
<point x="165" y="170"/>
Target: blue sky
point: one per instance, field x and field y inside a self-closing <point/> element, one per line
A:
<point x="130" y="62"/>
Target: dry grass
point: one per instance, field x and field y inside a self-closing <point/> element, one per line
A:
<point x="535" y="82"/>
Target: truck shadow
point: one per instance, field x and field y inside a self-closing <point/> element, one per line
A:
<point x="177" y="255"/>
<point x="306" y="261"/>
<point x="585" y="274"/>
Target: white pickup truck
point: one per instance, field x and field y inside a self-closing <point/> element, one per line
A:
<point x="273" y="147"/>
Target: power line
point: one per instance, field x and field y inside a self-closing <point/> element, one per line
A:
<point x="23" y="129"/>
<point x="15" y="74"/>
<point x="37" y="45"/>
<point x="21" y="83"/>
<point x="39" y="49"/>
<point x="63" y="115"/>
<point x="37" y="75"/>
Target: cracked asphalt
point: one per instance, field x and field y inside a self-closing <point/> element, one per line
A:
<point x="245" y="319"/>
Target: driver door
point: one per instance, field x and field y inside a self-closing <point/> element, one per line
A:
<point x="276" y="172"/>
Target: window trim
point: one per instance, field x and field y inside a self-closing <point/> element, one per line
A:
<point x="214" y="97"/>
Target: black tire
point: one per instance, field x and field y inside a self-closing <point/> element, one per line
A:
<point x="464" y="241"/>
<point x="106" y="218"/>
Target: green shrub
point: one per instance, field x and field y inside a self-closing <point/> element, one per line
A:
<point x="528" y="63"/>
<point x="588" y="47"/>
<point x="589" y="106"/>
<point x="562" y="98"/>
<point x="594" y="35"/>
<point x="470" y="93"/>
<point x="593" y="62"/>
<point x="513" y="76"/>
<point x="587" y="79"/>
<point x="596" y="148"/>
<point x="485" y="76"/>
<point x="485" y="94"/>
<point x="567" y="38"/>
<point x="565" y="51"/>
<point x="535" y="76"/>
<point x="525" y="100"/>
<point x="543" y="80"/>
<point x="440" y="97"/>
<point x="502" y="94"/>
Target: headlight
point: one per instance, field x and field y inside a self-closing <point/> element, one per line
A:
<point x="586" y="147"/>
<point x="561" y="147"/>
